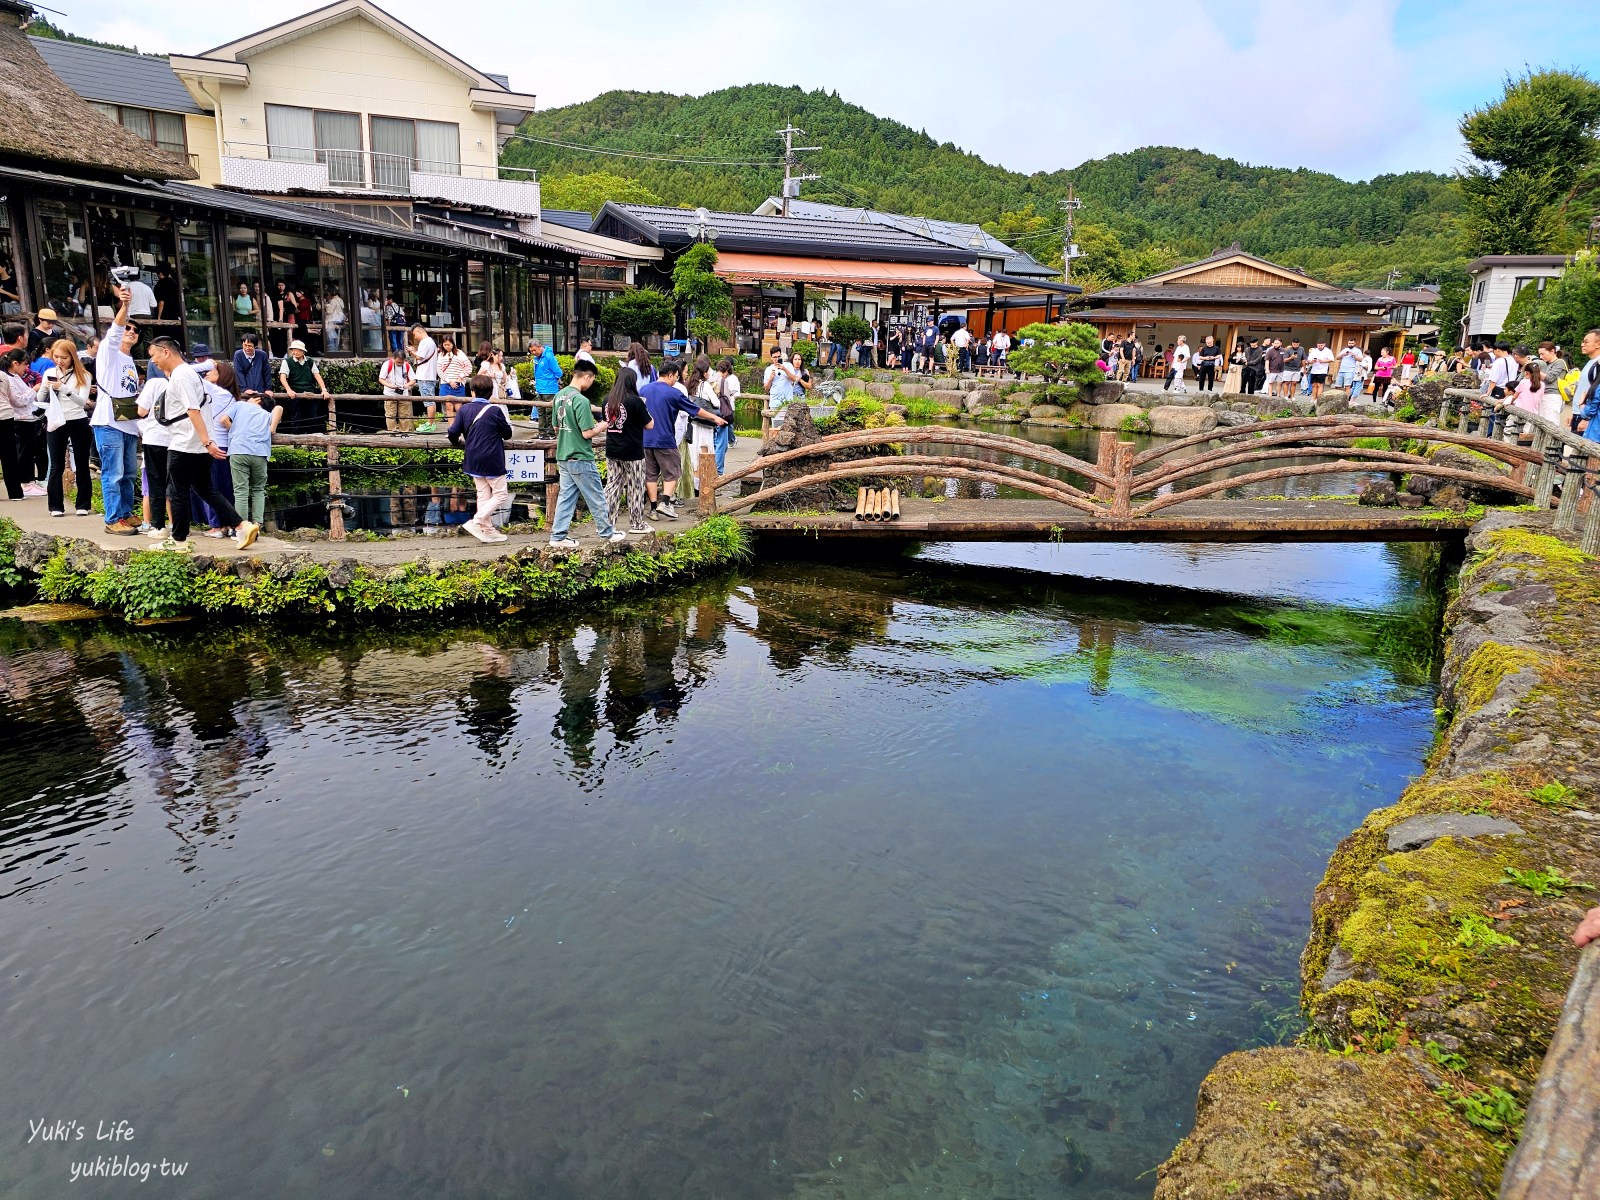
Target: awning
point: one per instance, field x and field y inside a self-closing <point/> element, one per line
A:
<point x="849" y="272"/>
<point x="1224" y="316"/>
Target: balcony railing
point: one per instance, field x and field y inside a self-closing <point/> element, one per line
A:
<point x="260" y="168"/>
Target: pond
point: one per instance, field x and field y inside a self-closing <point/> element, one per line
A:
<point x="918" y="878"/>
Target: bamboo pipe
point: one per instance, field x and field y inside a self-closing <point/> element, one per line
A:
<point x="894" y="505"/>
<point x="861" y="504"/>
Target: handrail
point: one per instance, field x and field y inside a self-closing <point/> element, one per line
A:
<point x="366" y="168"/>
<point x="1558" y="1156"/>
<point x="1564" y="459"/>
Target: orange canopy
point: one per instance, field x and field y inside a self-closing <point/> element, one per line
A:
<point x="790" y="268"/>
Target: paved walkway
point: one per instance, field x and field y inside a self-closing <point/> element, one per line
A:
<point x="33" y="516"/>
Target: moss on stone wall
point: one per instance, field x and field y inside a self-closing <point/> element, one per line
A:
<point x="1431" y="974"/>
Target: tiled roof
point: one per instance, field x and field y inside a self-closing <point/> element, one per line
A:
<point x="1404" y="295"/>
<point x="116" y="77"/>
<point x="1301" y="297"/>
<point x="1355" y="320"/>
<point x="572" y="218"/>
<point x="962" y="234"/>
<point x="787" y="235"/>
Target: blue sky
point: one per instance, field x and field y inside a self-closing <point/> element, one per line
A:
<point x="1358" y="88"/>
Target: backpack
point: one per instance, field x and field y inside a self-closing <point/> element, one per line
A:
<point x="724" y="404"/>
<point x="166" y="396"/>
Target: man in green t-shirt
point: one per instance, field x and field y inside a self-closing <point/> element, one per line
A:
<point x="576" y="430"/>
<point x="299" y="376"/>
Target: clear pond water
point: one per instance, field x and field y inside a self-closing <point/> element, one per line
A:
<point x="936" y="878"/>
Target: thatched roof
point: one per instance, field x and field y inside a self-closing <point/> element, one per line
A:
<point x="42" y="118"/>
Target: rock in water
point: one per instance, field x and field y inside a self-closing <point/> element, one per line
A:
<point x="1379" y="493"/>
<point x="1175" y="421"/>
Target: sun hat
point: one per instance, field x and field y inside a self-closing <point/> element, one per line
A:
<point x="297" y="344"/>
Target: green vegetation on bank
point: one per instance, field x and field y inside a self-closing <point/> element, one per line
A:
<point x="154" y="585"/>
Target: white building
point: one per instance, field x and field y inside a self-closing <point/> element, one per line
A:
<point x="1496" y="280"/>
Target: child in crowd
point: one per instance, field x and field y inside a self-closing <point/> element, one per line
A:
<point x="250" y="429"/>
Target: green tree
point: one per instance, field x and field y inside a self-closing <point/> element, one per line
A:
<point x="847" y="327"/>
<point x="639" y="313"/>
<point x="588" y="193"/>
<point x="1452" y="306"/>
<point x="1063" y="354"/>
<point x="700" y="291"/>
<point x="1532" y="148"/>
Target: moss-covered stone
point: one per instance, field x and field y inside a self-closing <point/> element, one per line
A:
<point x="1298" y="1124"/>
<point x="1437" y="944"/>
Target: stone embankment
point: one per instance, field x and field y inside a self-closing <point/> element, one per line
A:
<point x="1440" y="950"/>
<point x="392" y="578"/>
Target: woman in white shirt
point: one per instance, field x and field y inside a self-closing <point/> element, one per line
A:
<point x="67" y="383"/>
<point x="16" y="399"/>
<point x="725" y="387"/>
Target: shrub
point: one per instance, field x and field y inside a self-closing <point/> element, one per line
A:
<point x="639" y="313"/>
<point x="350" y="376"/>
<point x="847" y="327"/>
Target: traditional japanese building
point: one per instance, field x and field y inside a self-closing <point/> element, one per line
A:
<point x="1233" y="295"/>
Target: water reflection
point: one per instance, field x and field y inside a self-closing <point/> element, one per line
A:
<point x="820" y="881"/>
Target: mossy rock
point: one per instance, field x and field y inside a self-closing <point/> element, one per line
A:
<point x="1297" y="1124"/>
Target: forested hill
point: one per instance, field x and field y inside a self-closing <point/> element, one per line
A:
<point x="1184" y="202"/>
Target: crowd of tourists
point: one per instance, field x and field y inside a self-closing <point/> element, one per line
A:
<point x="930" y="348"/>
<point x="186" y="427"/>
<point x="654" y="421"/>
<point x="1540" y="379"/>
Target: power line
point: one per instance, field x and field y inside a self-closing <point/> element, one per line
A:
<point x="665" y="158"/>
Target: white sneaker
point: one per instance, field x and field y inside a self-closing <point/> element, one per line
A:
<point x="497" y="537"/>
<point x="217" y="533"/>
<point x="616" y="537"/>
<point x="32" y="489"/>
<point x="483" y="535"/>
<point x="563" y="544"/>
<point x="247" y="534"/>
<point x="157" y="534"/>
<point x="640" y="529"/>
<point x="669" y="512"/>
<point x="54" y="513"/>
<point x="83" y="512"/>
<point x="176" y="547"/>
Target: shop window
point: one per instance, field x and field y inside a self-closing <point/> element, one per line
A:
<point x="246" y="288"/>
<point x="369" y="283"/>
<point x="64" y="255"/>
<point x="11" y="296"/>
<point x="198" y="253"/>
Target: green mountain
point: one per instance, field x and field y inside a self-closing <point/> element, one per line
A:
<point x="1157" y="204"/>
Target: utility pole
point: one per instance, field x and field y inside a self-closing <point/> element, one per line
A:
<point x="1069" y="249"/>
<point x="1392" y="278"/>
<point x="791" y="181"/>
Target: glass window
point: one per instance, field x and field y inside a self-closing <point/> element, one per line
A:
<point x="331" y="268"/>
<point x="245" y="285"/>
<point x="199" y="266"/>
<point x="369" y="281"/>
<point x="293" y="298"/>
<point x="291" y="133"/>
<point x="394" y="149"/>
<point x="170" y="133"/>
<point x="11" y="296"/>
<point x="123" y="237"/>
<point x="1482" y="285"/>
<point x="64" y="255"/>
<point x="439" y="147"/>
<point x="138" y="121"/>
<point x="339" y="145"/>
<point x="479" y="325"/>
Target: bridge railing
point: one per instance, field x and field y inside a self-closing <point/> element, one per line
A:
<point x="1126" y="484"/>
<point x="1567" y="460"/>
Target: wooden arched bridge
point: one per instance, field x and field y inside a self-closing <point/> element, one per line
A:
<point x="1168" y="492"/>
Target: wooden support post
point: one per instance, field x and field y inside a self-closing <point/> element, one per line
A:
<point x="335" y="484"/>
<point x="552" y="490"/>
<point x="1528" y="473"/>
<point x="1556" y="1158"/>
<point x="1122" y="496"/>
<point x="1106" y="460"/>
<point x="705" y="475"/>
<point x="1461" y="426"/>
<point x="1444" y="411"/>
<point x="1590" y="543"/>
<point x="1577" y="466"/>
<point x="1549" y="471"/>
